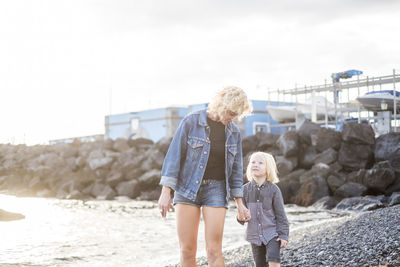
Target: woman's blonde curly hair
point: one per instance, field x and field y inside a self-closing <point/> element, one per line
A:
<point x="230" y="98"/>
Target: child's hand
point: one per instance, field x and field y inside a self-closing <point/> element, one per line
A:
<point x="283" y="242"/>
<point x="243" y="213"/>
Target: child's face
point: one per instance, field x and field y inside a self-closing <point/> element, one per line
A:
<point x="258" y="167"/>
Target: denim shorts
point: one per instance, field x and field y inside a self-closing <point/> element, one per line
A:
<point x="210" y="194"/>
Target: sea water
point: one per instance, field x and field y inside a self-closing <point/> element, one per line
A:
<point x="122" y="232"/>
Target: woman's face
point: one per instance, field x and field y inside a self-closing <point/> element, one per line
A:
<point x="228" y="116"/>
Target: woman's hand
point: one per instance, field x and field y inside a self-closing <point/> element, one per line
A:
<point x="283" y="242"/>
<point x="164" y="202"/>
<point x="243" y="213"/>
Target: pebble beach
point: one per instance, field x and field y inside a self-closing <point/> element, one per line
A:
<point x="369" y="238"/>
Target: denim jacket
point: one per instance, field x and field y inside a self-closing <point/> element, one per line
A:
<point x="187" y="156"/>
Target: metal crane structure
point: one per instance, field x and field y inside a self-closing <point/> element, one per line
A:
<point x="384" y="121"/>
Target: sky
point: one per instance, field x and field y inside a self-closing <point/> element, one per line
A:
<point x="65" y="65"/>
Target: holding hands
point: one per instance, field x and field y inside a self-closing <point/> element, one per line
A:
<point x="243" y="213"/>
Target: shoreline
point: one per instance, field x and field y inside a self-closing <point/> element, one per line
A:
<point x="370" y="238"/>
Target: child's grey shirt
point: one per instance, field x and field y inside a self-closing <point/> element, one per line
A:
<point x="268" y="217"/>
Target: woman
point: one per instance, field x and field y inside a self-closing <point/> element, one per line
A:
<point x="203" y="166"/>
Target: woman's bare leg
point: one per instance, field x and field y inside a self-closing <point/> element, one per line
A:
<point x="214" y="219"/>
<point x="187" y="225"/>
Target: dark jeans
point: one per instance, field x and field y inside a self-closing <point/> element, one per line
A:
<point x="265" y="253"/>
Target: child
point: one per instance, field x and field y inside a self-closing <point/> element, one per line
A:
<point x="268" y="227"/>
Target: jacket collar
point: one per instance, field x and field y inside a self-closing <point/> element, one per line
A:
<point x="203" y="121"/>
<point x="254" y="183"/>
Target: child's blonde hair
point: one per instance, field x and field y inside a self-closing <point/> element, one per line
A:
<point x="271" y="169"/>
<point x="230" y="98"/>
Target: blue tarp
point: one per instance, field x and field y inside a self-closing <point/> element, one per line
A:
<point x="346" y="74"/>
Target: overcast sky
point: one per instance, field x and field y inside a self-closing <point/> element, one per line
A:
<point x="65" y="65"/>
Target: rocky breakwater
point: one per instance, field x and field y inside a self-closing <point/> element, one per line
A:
<point x="101" y="170"/>
<point x="345" y="170"/>
<point x="317" y="166"/>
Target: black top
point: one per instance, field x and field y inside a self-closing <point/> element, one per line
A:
<point x="215" y="169"/>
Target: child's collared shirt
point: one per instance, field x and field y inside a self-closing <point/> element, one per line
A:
<point x="268" y="217"/>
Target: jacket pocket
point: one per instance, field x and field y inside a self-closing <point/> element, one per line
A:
<point x="195" y="146"/>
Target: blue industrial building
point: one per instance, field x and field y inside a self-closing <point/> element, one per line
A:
<point x="155" y="124"/>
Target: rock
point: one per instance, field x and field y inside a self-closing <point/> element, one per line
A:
<point x="295" y="175"/>
<point x="394" y="187"/>
<point x="45" y="193"/>
<point x="335" y="181"/>
<point x="103" y="192"/>
<point x="327" y="202"/>
<point x="321" y="169"/>
<point x="360" y="203"/>
<point x="327" y="138"/>
<point x="139" y="143"/>
<point x="358" y="133"/>
<point x="285" y="165"/>
<point x="121" y="145"/>
<point x="355" y="156"/>
<point x="10" y="216"/>
<point x="289" y="143"/>
<point x="69" y="151"/>
<point x="153" y="159"/>
<point x="307" y="157"/>
<point x="289" y="189"/>
<point x="249" y="144"/>
<point x="100" y="163"/>
<point x="80" y="162"/>
<point x="163" y="144"/>
<point x="335" y="167"/>
<point x="114" y="178"/>
<point x="379" y="177"/>
<point x="149" y="180"/>
<point x="350" y="190"/>
<point x="387" y="147"/>
<point x="150" y="195"/>
<point x="266" y="140"/>
<point x="311" y="190"/>
<point x="357" y="176"/>
<point x="306" y="130"/>
<point x="134" y="174"/>
<point x="328" y="156"/>
<point x="394" y="199"/>
<point x="75" y="194"/>
<point x="130" y="189"/>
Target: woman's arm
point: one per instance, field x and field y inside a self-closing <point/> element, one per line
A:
<point x="236" y="177"/>
<point x="241" y="204"/>
<point x="171" y="166"/>
<point x="172" y="162"/>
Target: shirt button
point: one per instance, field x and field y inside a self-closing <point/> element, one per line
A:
<point x="205" y="152"/>
<point x="259" y="224"/>
<point x="258" y="213"/>
<point x="201" y="166"/>
<point x="197" y="182"/>
<point x="258" y="200"/>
